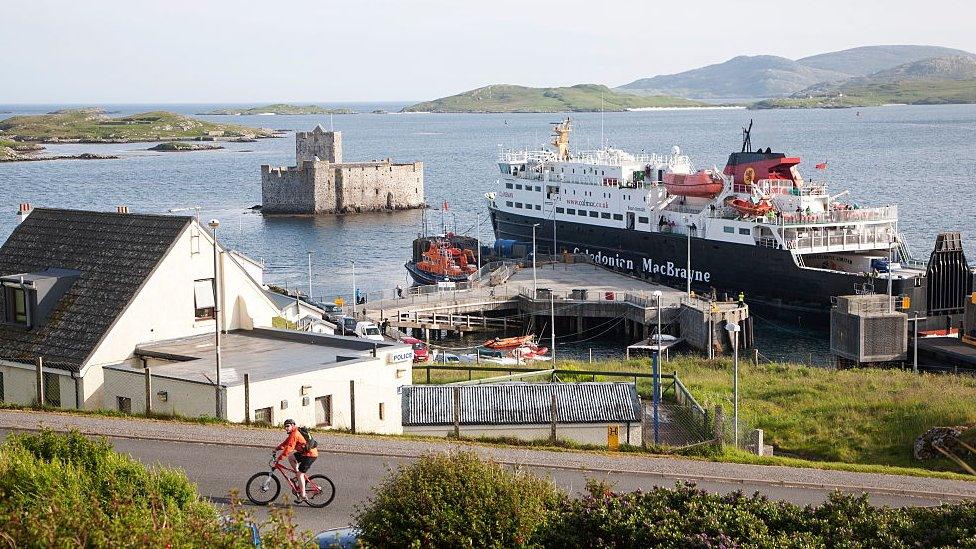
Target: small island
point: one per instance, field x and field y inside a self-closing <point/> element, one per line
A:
<point x="505" y="98"/>
<point x="278" y="109"/>
<point x="16" y="151"/>
<point x="95" y="126"/>
<point x="180" y="146"/>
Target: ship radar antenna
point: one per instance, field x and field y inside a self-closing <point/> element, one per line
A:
<point x="746" y="139"/>
<point x="561" y="131"/>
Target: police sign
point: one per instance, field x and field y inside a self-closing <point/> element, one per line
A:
<point x="399" y="356"/>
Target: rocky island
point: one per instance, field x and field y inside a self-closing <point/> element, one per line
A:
<point x="95" y="126"/>
<point x="279" y="109"/>
<point x="505" y="98"/>
<point x="15" y="151"/>
<point x="180" y="146"/>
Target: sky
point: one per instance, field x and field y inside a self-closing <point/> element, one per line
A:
<point x="212" y="51"/>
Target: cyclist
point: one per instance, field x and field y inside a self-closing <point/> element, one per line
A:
<point x="299" y="457"/>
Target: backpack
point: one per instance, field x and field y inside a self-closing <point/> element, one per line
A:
<point x="309" y="441"/>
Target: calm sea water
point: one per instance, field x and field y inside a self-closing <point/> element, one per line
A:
<point x="921" y="158"/>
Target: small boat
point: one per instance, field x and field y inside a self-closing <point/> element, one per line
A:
<point x="442" y="261"/>
<point x="748" y="207"/>
<point x="701" y="184"/>
<point x="508" y="343"/>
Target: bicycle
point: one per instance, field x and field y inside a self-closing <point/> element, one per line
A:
<point x="262" y="488"/>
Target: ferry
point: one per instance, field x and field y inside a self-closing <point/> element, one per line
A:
<point x="757" y="227"/>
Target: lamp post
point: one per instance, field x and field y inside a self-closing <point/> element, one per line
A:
<point x="555" y="249"/>
<point x="733" y="329"/>
<point x="657" y="371"/>
<point x="355" y="296"/>
<point x="535" y="282"/>
<point x="688" y="228"/>
<point x="213" y="224"/>
<point x="310" y="275"/>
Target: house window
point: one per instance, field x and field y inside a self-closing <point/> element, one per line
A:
<point x="745" y="231"/>
<point x="52" y="389"/>
<point x="263" y="415"/>
<point x="560" y="210"/>
<point x="124" y="404"/>
<point x="323" y="411"/>
<point x="730" y="230"/>
<point x="382" y="410"/>
<point x="203" y="297"/>
<point x="15" y="305"/>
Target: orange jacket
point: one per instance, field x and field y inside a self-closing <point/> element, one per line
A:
<point x="295" y="442"/>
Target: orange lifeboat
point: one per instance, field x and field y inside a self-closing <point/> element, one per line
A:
<point x="510" y="342"/>
<point x="747" y="207"/>
<point x="701" y="184"/>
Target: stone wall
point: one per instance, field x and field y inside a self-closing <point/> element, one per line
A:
<point x="379" y="186"/>
<point x="318" y="144"/>
<point x="288" y="190"/>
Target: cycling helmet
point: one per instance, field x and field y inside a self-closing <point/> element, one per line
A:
<point x="289" y="422"/>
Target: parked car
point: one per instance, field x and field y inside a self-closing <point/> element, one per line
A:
<point x="368" y="330"/>
<point x="332" y="311"/>
<point x="420" y="351"/>
<point x="347" y="325"/>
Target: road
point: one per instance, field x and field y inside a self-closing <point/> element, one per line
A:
<point x="221" y="458"/>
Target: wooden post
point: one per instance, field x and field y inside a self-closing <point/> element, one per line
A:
<point x="755" y="356"/>
<point x="352" y="405"/>
<point x="456" y="393"/>
<point x="148" y="375"/>
<point x="428" y="373"/>
<point x="247" y="399"/>
<point x="552" y="415"/>
<point x="40" y="381"/>
<point x="719" y="428"/>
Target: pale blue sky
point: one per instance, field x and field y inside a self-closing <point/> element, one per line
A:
<point x="374" y="50"/>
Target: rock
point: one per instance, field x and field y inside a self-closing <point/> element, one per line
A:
<point x="945" y="437"/>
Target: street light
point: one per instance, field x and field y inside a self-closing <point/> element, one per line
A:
<point x="355" y="296"/>
<point x="213" y="224"/>
<point x="535" y="282"/>
<point x="657" y="373"/>
<point x="733" y="330"/>
<point x="309" y="275"/>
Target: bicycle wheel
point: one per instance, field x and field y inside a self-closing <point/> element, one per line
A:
<point x="263" y="488"/>
<point x="320" y="490"/>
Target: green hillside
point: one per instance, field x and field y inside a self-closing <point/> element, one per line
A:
<point x="579" y="98"/>
<point x="279" y="108"/>
<point x="93" y="125"/>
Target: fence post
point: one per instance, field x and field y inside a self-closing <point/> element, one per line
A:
<point x="148" y="375"/>
<point x="40" y="381"/>
<point x="247" y="399"/>
<point x="552" y="414"/>
<point x="755" y="356"/>
<point x="719" y="428"/>
<point x="456" y="393"/>
<point x="352" y="405"/>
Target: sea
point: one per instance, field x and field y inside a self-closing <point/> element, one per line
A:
<point x="922" y="158"/>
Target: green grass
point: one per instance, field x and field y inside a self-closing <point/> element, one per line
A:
<point x="579" y="98"/>
<point x="280" y="108"/>
<point x="928" y="91"/>
<point x="94" y="125"/>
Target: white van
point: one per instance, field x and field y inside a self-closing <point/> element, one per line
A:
<point x="368" y="330"/>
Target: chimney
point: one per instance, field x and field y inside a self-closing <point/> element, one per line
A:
<point x="24" y="211"/>
<point x="122" y="209"/>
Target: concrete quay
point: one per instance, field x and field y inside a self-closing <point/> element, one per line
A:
<point x="579" y="296"/>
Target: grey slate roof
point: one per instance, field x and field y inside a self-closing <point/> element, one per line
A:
<point x="115" y="254"/>
<point x="521" y="403"/>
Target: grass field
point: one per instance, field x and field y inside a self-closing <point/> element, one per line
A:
<point x="865" y="416"/>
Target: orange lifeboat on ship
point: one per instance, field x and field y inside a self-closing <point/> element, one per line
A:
<point x="748" y="207"/>
<point x="701" y="184"/>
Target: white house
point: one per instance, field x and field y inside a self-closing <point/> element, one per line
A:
<point x="82" y="290"/>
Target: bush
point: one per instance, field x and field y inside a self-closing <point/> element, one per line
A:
<point x="688" y="517"/>
<point x="456" y="500"/>
<point x="65" y="490"/>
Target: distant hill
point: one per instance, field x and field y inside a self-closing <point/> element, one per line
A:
<point x="579" y="98"/>
<point x="871" y="59"/>
<point x="94" y="126"/>
<point x="279" y="108"/>
<point x="930" y="81"/>
<point x="766" y="76"/>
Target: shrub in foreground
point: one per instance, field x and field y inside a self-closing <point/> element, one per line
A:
<point x="456" y="500"/>
<point x="65" y="490"/>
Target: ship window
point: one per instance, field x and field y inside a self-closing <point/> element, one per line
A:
<point x="518" y="186"/>
<point x="745" y="231"/>
<point x="581" y="212"/>
<point x="560" y="210"/>
<point x="618" y="217"/>
<point x="595" y="214"/>
<point x="642" y="220"/>
<point x="571" y="211"/>
<point x="538" y="207"/>
<point x="538" y="189"/>
<point x="730" y="230"/>
<point x="574" y="170"/>
<point x="508" y="185"/>
<point x="518" y="204"/>
<point x="508" y="203"/>
<point x="605" y="215"/>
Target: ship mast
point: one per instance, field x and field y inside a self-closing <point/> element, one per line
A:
<point x="746" y="139"/>
<point x="561" y="131"/>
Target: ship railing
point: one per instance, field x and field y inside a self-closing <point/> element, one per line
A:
<point x="859" y="240"/>
<point x="886" y="213"/>
<point x="642" y="300"/>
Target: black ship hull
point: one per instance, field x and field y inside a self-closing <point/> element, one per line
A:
<point x="421" y="276"/>
<point x="768" y="277"/>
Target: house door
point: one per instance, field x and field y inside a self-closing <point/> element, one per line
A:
<point x="323" y="411"/>
<point x="630" y="220"/>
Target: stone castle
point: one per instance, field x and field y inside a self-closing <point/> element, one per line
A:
<point x="322" y="183"/>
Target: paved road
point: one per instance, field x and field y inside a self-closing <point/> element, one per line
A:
<point x="220" y="459"/>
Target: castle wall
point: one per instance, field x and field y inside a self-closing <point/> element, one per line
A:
<point x="287" y="190"/>
<point x="379" y="186"/>
<point x="318" y="144"/>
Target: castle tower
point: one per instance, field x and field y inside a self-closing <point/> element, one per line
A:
<point x="318" y="143"/>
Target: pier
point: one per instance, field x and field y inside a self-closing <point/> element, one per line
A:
<point x="578" y="295"/>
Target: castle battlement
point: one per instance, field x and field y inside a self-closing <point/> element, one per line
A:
<point x="321" y="183"/>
